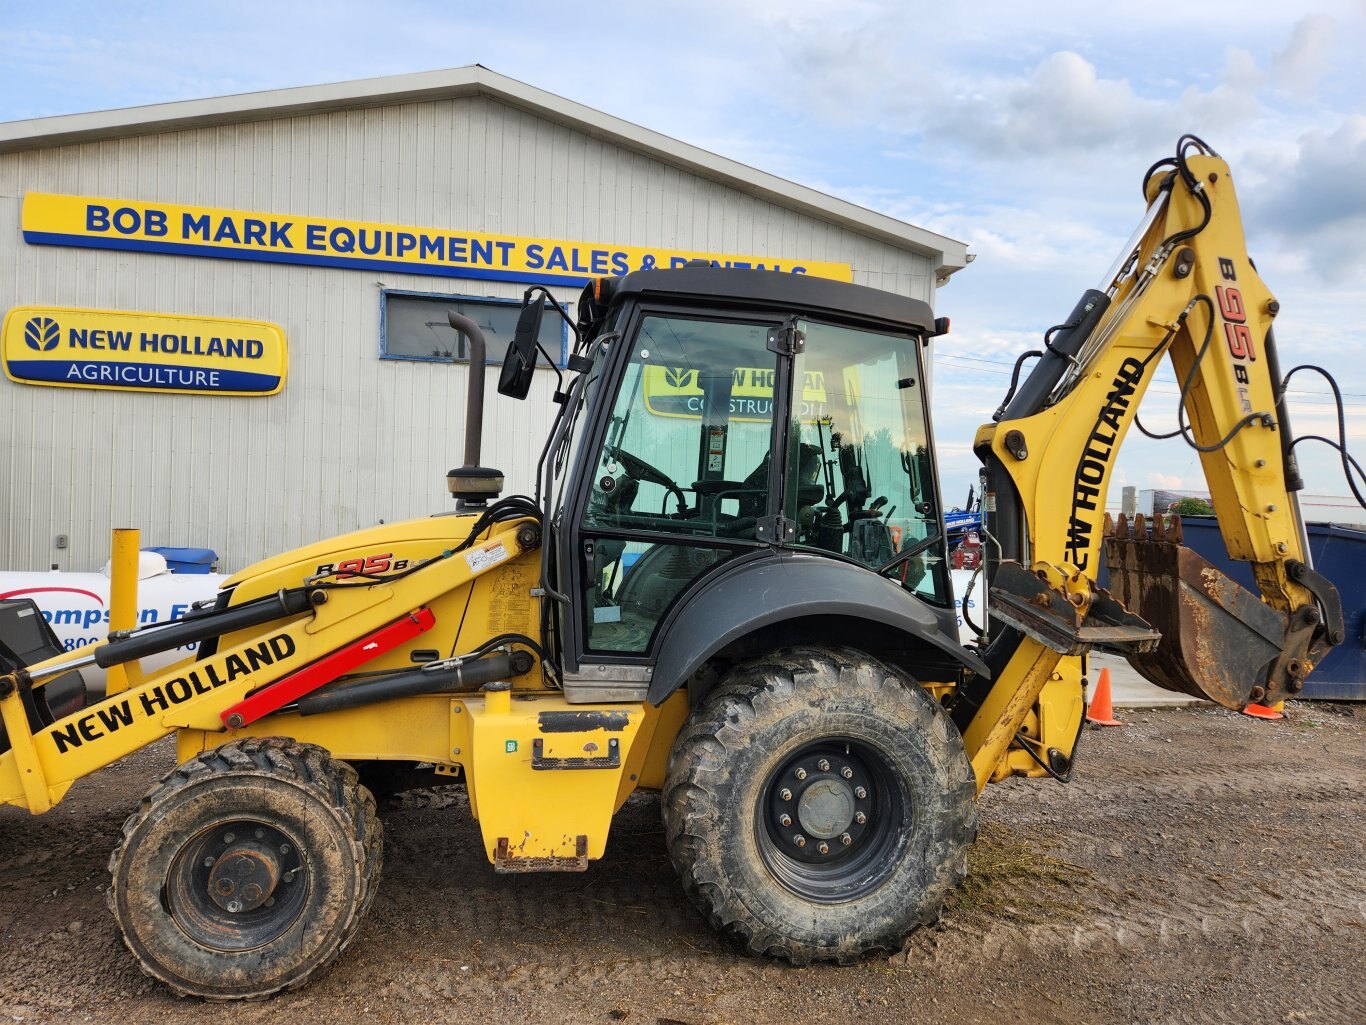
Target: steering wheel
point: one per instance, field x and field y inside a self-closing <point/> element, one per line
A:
<point x="643" y="471"/>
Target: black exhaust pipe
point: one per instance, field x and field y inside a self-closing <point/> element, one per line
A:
<point x="472" y="485"/>
<point x="458" y="679"/>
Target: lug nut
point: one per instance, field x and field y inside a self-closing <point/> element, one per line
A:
<point x="847" y="772"/>
<point x="846" y="839"/>
<point x="229" y="837"/>
<point x="260" y="834"/>
<point x="284" y="848"/>
<point x="860" y="818"/>
<point x="824" y="848"/>
<point x="785" y="820"/>
<point x="785" y="794"/>
<point x="860" y="793"/>
<point x="799" y="840"/>
<point x="208" y="862"/>
<point x="801" y="774"/>
<point x="823" y="765"/>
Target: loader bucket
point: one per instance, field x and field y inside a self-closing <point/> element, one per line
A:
<point x="1219" y="641"/>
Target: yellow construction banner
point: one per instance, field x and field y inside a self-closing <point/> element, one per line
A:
<point x="677" y="391"/>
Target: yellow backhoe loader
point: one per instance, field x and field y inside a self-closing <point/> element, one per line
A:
<point x="730" y="586"/>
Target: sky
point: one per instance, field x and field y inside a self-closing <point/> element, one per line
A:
<point x="1022" y="129"/>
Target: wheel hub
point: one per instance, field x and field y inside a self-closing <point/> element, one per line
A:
<point x="821" y="805"/>
<point x="826" y="808"/>
<point x="244" y="878"/>
<point x="237" y="885"/>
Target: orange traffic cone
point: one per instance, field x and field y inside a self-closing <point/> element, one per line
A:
<point x="1265" y="711"/>
<point x="1099" y="711"/>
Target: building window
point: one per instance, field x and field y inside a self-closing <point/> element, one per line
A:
<point x="413" y="325"/>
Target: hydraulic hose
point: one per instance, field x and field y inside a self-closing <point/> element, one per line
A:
<point x="462" y="677"/>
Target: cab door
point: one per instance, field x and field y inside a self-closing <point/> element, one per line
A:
<point x="677" y="478"/>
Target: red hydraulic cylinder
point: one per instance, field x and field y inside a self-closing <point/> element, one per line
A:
<point x="327" y="669"/>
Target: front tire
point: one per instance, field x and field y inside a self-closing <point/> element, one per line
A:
<point x="819" y="806"/>
<point x="247" y="869"/>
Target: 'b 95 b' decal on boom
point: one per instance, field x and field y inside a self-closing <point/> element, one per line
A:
<point x="1237" y="335"/>
<point x="362" y="565"/>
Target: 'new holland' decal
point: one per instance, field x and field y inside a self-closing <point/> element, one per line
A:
<point x="1095" y="461"/>
<point x="204" y="678"/>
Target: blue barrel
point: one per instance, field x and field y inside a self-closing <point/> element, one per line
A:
<point x="1339" y="553"/>
<point x="187" y="560"/>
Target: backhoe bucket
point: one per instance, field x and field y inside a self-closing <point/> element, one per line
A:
<point x="1219" y="641"/>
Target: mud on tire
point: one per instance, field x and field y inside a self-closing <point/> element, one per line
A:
<point x="247" y="869"/>
<point x="819" y="805"/>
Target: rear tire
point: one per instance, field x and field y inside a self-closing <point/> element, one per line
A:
<point x="247" y="869"/>
<point x="819" y="806"/>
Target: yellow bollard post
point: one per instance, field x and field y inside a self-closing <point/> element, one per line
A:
<point x="123" y="602"/>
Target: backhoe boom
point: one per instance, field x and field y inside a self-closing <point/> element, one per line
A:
<point x="1184" y="289"/>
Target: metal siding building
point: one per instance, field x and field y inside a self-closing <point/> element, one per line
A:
<point x="352" y="438"/>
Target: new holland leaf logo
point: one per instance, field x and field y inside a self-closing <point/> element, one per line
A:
<point x="42" y="334"/>
<point x="676" y="377"/>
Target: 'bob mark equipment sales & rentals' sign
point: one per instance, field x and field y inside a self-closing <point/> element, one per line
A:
<point x="50" y="219"/>
<point x="68" y="348"/>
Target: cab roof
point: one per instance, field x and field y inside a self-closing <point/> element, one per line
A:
<point x="779" y="291"/>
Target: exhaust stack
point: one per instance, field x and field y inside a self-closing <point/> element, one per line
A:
<point x="473" y="485"/>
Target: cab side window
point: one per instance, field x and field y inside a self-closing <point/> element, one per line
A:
<point x="682" y="477"/>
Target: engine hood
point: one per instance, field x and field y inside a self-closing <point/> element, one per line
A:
<point x="440" y="530"/>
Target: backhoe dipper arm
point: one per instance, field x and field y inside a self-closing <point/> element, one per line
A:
<point x="1185" y="287"/>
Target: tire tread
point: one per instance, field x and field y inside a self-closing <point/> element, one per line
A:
<point x="333" y="780"/>
<point x="751" y="693"/>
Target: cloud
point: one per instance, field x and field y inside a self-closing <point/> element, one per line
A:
<point x="1168" y="481"/>
<point x="1302" y="63"/>
<point x="1232" y="102"/>
<point x="1062" y="105"/>
<point x="1317" y="203"/>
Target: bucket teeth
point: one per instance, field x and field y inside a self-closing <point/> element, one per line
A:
<point x="1174" y="534"/>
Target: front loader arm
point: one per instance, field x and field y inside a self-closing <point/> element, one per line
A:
<point x="1183" y="288"/>
<point x="291" y="648"/>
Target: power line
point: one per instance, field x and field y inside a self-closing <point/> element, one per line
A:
<point x="1308" y="397"/>
<point x="1011" y="363"/>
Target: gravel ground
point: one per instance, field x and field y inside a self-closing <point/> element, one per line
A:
<point x="1200" y="867"/>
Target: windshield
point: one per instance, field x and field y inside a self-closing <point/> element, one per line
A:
<point x="861" y="479"/>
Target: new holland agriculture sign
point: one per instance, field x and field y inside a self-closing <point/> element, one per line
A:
<point x="67" y="348"/>
<point x="99" y="223"/>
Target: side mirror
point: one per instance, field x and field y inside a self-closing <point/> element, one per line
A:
<point x="519" y="365"/>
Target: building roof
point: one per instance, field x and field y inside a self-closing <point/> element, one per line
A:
<point x="946" y="254"/>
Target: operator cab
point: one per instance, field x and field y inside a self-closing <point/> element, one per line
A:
<point x="731" y="415"/>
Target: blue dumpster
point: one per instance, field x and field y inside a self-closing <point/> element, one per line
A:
<point x="1339" y="553"/>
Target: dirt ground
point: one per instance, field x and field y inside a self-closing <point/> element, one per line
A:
<point x="1200" y="867"/>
